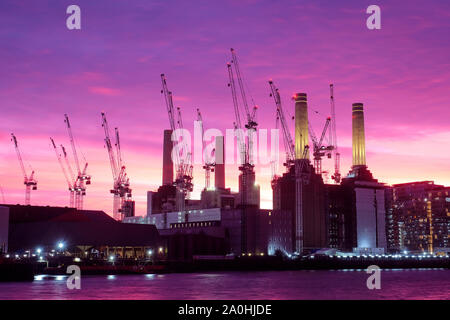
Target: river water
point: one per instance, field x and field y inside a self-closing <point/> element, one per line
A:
<point x="342" y="284"/>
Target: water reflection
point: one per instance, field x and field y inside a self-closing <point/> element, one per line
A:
<point x="337" y="284"/>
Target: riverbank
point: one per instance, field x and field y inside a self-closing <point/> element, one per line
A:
<point x="25" y="270"/>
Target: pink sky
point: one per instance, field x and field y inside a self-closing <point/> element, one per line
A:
<point x="401" y="73"/>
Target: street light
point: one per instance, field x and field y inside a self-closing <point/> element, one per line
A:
<point x="60" y="245"/>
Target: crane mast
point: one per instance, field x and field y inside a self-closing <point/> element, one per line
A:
<point x="337" y="174"/>
<point x="301" y="178"/>
<point x="69" y="167"/>
<point x="183" y="166"/>
<point x="82" y="179"/>
<point x="121" y="183"/>
<point x="69" y="184"/>
<point x="29" y="181"/>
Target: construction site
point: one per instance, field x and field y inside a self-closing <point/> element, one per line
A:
<point x="355" y="214"/>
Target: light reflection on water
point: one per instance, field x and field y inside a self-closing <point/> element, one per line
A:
<point x="314" y="284"/>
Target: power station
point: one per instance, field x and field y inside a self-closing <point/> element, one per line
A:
<point x="355" y="214"/>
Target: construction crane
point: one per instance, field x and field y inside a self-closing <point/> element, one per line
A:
<point x="208" y="163"/>
<point x="29" y="180"/>
<point x="333" y="139"/>
<point x="70" y="182"/>
<point x="320" y="150"/>
<point x="79" y="190"/>
<point x="274" y="161"/>
<point x="243" y="154"/>
<point x="121" y="183"/>
<point x="247" y="177"/>
<point x="183" y="166"/>
<point x="82" y="178"/>
<point x="289" y="146"/>
<point x="251" y="123"/>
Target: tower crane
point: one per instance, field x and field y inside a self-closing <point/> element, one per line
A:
<point x="82" y="178"/>
<point x="243" y="154"/>
<point x="274" y="162"/>
<point x="251" y="123"/>
<point x="208" y="163"/>
<point x="319" y="148"/>
<point x="66" y="176"/>
<point x="121" y="183"/>
<point x="183" y="180"/>
<point x="79" y="190"/>
<point x="247" y="177"/>
<point x="29" y="180"/>
<point x="287" y="138"/>
<point x="333" y="138"/>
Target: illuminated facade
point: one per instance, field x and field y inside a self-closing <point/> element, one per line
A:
<point x="421" y="215"/>
<point x="301" y="124"/>
<point x="358" y="136"/>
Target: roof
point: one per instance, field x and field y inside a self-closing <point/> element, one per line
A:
<point x="22" y="214"/>
<point x="31" y="227"/>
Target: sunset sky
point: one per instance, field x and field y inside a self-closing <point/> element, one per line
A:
<point x="401" y="73"/>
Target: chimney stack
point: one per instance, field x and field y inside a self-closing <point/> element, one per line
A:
<point x="219" y="170"/>
<point x="167" y="178"/>
<point x="301" y="125"/>
<point x="358" y="137"/>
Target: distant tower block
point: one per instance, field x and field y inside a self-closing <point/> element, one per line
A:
<point x="219" y="173"/>
<point x="167" y="178"/>
<point x="358" y="137"/>
<point x="301" y="124"/>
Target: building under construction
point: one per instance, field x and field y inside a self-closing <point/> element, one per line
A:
<point x="219" y="213"/>
<point x="289" y="227"/>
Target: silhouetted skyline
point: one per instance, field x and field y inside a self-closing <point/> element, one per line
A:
<point x="400" y="73"/>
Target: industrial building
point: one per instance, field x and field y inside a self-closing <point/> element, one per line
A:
<point x="283" y="220"/>
<point x="307" y="215"/>
<point x="81" y="232"/>
<point x="357" y="208"/>
<point x="357" y="213"/>
<point x="420" y="217"/>
<point x="290" y="226"/>
<point x="350" y="216"/>
<point x="233" y="221"/>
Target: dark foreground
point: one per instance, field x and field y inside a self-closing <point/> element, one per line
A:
<point x="25" y="270"/>
<point x="338" y="284"/>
